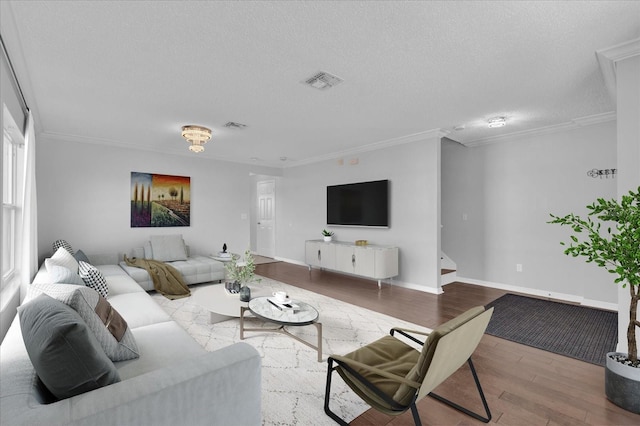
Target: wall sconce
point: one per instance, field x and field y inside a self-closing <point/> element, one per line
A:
<point x="606" y="173"/>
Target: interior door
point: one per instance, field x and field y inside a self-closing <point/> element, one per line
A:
<point x="265" y="237"/>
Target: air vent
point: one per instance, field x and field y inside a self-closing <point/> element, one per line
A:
<point x="234" y="125"/>
<point x="322" y="81"/>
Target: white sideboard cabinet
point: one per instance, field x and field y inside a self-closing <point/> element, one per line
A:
<point x="370" y="261"/>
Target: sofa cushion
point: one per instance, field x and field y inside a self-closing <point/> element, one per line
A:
<point x="109" y="327"/>
<point x="167" y="248"/>
<point x="60" y="274"/>
<point x="161" y="344"/>
<point x="64" y="352"/>
<point x="62" y="243"/>
<point x="62" y="257"/>
<point x="139" y="309"/>
<point x="121" y="284"/>
<point x="93" y="278"/>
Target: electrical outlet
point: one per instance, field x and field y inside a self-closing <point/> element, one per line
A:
<point x="518" y="267"/>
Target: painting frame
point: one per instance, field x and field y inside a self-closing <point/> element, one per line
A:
<point x="159" y="200"/>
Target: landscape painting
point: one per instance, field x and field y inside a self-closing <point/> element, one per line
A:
<point x="160" y="200"/>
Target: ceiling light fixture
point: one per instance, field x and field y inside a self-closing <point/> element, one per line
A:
<point x="197" y="136"/>
<point x="497" y="122"/>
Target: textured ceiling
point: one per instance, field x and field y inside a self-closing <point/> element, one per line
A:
<point x="132" y="73"/>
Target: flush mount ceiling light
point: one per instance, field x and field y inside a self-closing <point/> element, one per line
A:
<point x="197" y="136"/>
<point x="497" y="122"/>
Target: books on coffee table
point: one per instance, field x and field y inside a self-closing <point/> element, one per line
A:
<point x="284" y="306"/>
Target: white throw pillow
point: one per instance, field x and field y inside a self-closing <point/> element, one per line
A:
<point x="167" y="248"/>
<point x="63" y="258"/>
<point x="148" y="253"/>
<point x="110" y="329"/>
<point x="61" y="275"/>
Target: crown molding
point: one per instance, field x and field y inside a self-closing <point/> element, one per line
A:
<point x="608" y="58"/>
<point x="415" y="137"/>
<point x="64" y="137"/>
<point x="573" y="124"/>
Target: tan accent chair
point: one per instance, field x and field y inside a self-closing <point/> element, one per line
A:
<point x="391" y="375"/>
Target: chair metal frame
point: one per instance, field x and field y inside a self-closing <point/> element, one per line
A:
<point x="396" y="406"/>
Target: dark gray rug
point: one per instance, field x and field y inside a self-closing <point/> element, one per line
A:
<point x="575" y="331"/>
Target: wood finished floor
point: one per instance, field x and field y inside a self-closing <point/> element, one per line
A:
<point x="523" y="385"/>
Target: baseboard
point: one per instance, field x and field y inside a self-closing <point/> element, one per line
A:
<point x="542" y="293"/>
<point x="418" y="287"/>
<point x="295" y="262"/>
<point x="449" y="278"/>
<point x="387" y="281"/>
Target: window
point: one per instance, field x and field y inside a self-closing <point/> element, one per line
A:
<point x="12" y="141"/>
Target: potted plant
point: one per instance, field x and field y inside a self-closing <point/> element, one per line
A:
<point x="610" y="238"/>
<point x="328" y="235"/>
<point x="242" y="273"/>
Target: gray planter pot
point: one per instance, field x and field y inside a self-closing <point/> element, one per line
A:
<point x="622" y="384"/>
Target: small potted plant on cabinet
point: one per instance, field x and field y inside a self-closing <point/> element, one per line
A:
<point x="610" y="238"/>
<point x="328" y="235"/>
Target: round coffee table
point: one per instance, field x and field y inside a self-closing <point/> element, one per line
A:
<point x="304" y="314"/>
<point x="220" y="304"/>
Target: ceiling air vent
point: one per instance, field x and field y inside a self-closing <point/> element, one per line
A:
<point x="322" y="81"/>
<point x="234" y="125"/>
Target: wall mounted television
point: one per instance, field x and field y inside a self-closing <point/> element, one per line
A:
<point x="359" y="204"/>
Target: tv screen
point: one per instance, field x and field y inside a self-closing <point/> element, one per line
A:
<point x="359" y="204"/>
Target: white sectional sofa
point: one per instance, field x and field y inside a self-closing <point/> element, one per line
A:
<point x="173" y="382"/>
<point x="195" y="269"/>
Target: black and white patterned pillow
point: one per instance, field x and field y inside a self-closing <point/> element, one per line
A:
<point x="93" y="278"/>
<point x="62" y="243"/>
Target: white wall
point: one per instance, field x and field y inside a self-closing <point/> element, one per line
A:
<point x="412" y="169"/>
<point x="84" y="193"/>
<point x="507" y="190"/>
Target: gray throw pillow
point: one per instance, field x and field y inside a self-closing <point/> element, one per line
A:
<point x="80" y="256"/>
<point x="168" y="248"/>
<point x="64" y="352"/>
<point x="107" y="325"/>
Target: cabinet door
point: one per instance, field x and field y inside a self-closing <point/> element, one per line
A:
<point x="327" y="255"/>
<point x="312" y="253"/>
<point x="345" y="260"/>
<point x="322" y="255"/>
<point x="386" y="263"/>
<point x="364" y="261"/>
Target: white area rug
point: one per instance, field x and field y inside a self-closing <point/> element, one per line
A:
<point x="293" y="381"/>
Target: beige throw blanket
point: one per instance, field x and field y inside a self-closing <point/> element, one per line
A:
<point x="167" y="280"/>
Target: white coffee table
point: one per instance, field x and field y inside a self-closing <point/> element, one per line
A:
<point x="220" y="304"/>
